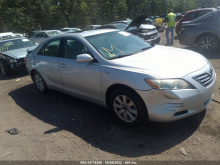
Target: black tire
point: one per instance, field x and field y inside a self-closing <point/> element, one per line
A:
<point x="5" y="69"/>
<point x="39" y="82"/>
<point x="207" y="43"/>
<point x="122" y="101"/>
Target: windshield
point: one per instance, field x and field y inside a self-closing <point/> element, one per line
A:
<point x="117" y="44"/>
<point x="15" y="44"/>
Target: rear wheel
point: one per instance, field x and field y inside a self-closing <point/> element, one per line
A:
<point x="5" y="69"/>
<point x="128" y="107"/>
<point x="207" y="43"/>
<point x="40" y="83"/>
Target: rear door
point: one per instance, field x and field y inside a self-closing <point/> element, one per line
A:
<point x="47" y="62"/>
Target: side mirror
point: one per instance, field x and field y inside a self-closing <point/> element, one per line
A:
<point x="84" y="58"/>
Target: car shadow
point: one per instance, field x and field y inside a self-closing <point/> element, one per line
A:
<point x="95" y="125"/>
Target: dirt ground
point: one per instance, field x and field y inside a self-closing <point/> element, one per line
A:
<point x="56" y="126"/>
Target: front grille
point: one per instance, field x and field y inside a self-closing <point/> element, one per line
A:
<point x="150" y="36"/>
<point x="154" y="36"/>
<point x="204" y="79"/>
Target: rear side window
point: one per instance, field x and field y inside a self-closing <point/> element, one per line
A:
<point x="39" y="35"/>
<point x="191" y="15"/>
<point x="52" y="48"/>
<point x="203" y="12"/>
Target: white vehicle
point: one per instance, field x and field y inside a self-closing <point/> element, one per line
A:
<point x="6" y="35"/>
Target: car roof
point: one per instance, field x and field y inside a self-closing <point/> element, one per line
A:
<point x="12" y="38"/>
<point x="201" y="9"/>
<point x="50" y="30"/>
<point x="71" y="28"/>
<point x="86" y="33"/>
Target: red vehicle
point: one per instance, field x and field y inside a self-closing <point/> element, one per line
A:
<point x="191" y="15"/>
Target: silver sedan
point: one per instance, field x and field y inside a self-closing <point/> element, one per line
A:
<point x="136" y="80"/>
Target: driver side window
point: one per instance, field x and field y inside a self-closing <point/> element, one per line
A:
<point x="73" y="47"/>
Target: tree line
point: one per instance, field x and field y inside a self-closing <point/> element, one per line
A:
<point x="27" y="15"/>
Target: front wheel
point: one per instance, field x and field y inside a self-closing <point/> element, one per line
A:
<point x="207" y="43"/>
<point x="40" y="83"/>
<point x="128" y="107"/>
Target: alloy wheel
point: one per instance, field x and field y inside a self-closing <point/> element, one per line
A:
<point x="39" y="82"/>
<point x="206" y="44"/>
<point x="125" y="108"/>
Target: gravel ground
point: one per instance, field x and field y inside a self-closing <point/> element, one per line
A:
<point x="59" y="127"/>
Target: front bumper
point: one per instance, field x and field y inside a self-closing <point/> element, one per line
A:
<point x="153" y="38"/>
<point x="165" y="106"/>
<point x="18" y="65"/>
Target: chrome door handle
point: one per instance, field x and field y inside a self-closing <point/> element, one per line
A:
<point x="37" y="60"/>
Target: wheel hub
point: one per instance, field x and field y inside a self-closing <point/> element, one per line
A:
<point x="125" y="108"/>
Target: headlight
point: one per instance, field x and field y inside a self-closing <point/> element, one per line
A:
<point x="169" y="84"/>
<point x="12" y="60"/>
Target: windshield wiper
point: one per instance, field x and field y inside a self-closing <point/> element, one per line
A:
<point x="120" y="56"/>
<point x="143" y="49"/>
<point x="124" y="55"/>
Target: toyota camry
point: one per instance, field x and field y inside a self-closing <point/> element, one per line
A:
<point x="136" y="80"/>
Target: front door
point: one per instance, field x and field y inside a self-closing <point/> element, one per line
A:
<point x="80" y="78"/>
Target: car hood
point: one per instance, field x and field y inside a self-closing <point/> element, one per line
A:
<point x="163" y="62"/>
<point x="137" y="21"/>
<point x="18" y="53"/>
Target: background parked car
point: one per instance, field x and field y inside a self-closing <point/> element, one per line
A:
<point x="12" y="54"/>
<point x="147" y="32"/>
<point x="123" y="20"/>
<point x="191" y="15"/>
<point x="17" y="35"/>
<point x="163" y="16"/>
<point x="91" y="27"/>
<point x="33" y="33"/>
<point x="148" y="21"/>
<point x="204" y="32"/>
<point x="41" y="36"/>
<point x="70" y="30"/>
<point x="6" y="35"/>
<point x="179" y="16"/>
